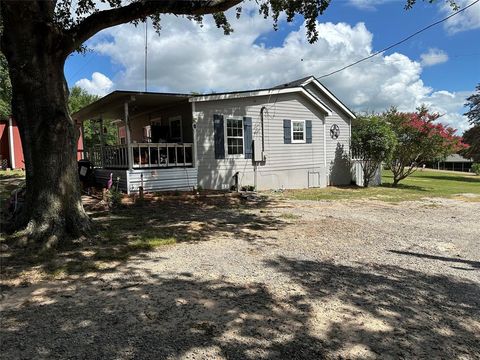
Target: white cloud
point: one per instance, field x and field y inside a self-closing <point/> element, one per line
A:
<point x="450" y="106"/>
<point x="186" y="57"/>
<point x="99" y="85"/>
<point x="433" y="57"/>
<point x="466" y="20"/>
<point x="367" y="4"/>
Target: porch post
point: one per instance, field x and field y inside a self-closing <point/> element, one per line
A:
<point x="102" y="142"/>
<point x="82" y="129"/>
<point x="128" y="139"/>
<point x="11" y="143"/>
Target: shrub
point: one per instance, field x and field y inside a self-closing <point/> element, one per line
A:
<point x="476" y="168"/>
<point x="373" y="142"/>
<point x="114" y="198"/>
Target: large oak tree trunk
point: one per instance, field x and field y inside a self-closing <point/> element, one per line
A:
<point x="53" y="210"/>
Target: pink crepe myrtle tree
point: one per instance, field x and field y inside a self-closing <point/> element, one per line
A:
<point x="420" y="138"/>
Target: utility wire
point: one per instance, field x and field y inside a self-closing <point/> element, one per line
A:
<point x="399" y="42"/>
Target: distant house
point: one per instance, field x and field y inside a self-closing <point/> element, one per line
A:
<point x="453" y="162"/>
<point x="11" y="151"/>
<point x="295" y="135"/>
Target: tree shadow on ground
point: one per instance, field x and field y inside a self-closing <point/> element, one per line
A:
<point x="460" y="178"/>
<point x="138" y="228"/>
<point x="404" y="187"/>
<point x="392" y="311"/>
<point x="473" y="264"/>
<point x="337" y="311"/>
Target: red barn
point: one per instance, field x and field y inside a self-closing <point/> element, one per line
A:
<point x="11" y="152"/>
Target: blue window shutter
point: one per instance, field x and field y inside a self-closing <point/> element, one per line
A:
<point x="308" y="131"/>
<point x="287" y="131"/>
<point x="219" y="136"/>
<point x="247" y="137"/>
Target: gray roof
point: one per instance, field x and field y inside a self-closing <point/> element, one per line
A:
<point x="293" y="84"/>
<point x="111" y="105"/>
<point x="456" y="158"/>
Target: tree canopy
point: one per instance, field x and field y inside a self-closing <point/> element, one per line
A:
<point x="373" y="142"/>
<point x="5" y="89"/>
<point x="472" y="138"/>
<point x="473" y="104"/>
<point x="420" y="139"/>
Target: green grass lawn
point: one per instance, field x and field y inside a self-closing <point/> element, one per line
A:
<point x="421" y="184"/>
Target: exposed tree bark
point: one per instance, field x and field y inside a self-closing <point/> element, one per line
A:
<point x="36" y="47"/>
<point x="53" y="207"/>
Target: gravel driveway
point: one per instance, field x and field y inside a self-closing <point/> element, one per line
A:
<point x="291" y="280"/>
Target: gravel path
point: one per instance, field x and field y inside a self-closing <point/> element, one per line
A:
<point x="294" y="280"/>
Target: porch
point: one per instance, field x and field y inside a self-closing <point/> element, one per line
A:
<point x="141" y="155"/>
<point x="143" y="139"/>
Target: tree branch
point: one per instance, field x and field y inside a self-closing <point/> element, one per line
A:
<point x="100" y="20"/>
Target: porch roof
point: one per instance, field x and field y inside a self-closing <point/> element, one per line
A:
<point x="111" y="106"/>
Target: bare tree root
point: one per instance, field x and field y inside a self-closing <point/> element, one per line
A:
<point x="48" y="232"/>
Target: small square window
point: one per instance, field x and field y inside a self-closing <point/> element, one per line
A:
<point x="298" y="131"/>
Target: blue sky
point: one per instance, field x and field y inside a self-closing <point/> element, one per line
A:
<point x="188" y="58"/>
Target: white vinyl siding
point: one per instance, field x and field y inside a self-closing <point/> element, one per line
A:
<point x="338" y="150"/>
<point x="285" y="166"/>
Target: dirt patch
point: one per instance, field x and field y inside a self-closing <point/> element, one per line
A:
<point x="266" y="279"/>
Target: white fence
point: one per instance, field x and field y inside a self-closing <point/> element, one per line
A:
<point x="357" y="174"/>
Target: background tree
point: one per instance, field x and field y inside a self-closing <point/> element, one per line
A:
<point x="5" y="89"/>
<point x="472" y="138"/>
<point x="473" y="104"/>
<point x="36" y="38"/>
<point x="373" y="142"/>
<point x="419" y="139"/>
<point x="78" y="99"/>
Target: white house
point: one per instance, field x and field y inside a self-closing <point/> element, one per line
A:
<point x="295" y="135"/>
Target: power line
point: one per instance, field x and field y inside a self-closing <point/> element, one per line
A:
<point x="399" y="42"/>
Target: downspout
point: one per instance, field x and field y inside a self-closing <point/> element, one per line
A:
<point x="11" y="143"/>
<point x="194" y="129"/>
<point x="350" y="139"/>
<point x="325" y="150"/>
<point x="255" y="163"/>
<point x="262" y="122"/>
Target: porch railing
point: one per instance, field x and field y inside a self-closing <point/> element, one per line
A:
<point x="162" y="155"/>
<point x="144" y="155"/>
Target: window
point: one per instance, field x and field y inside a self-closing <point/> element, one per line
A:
<point x="234" y="136"/>
<point x="122" y="134"/>
<point x="147" y="134"/>
<point x="175" y="128"/>
<point x="298" y="131"/>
